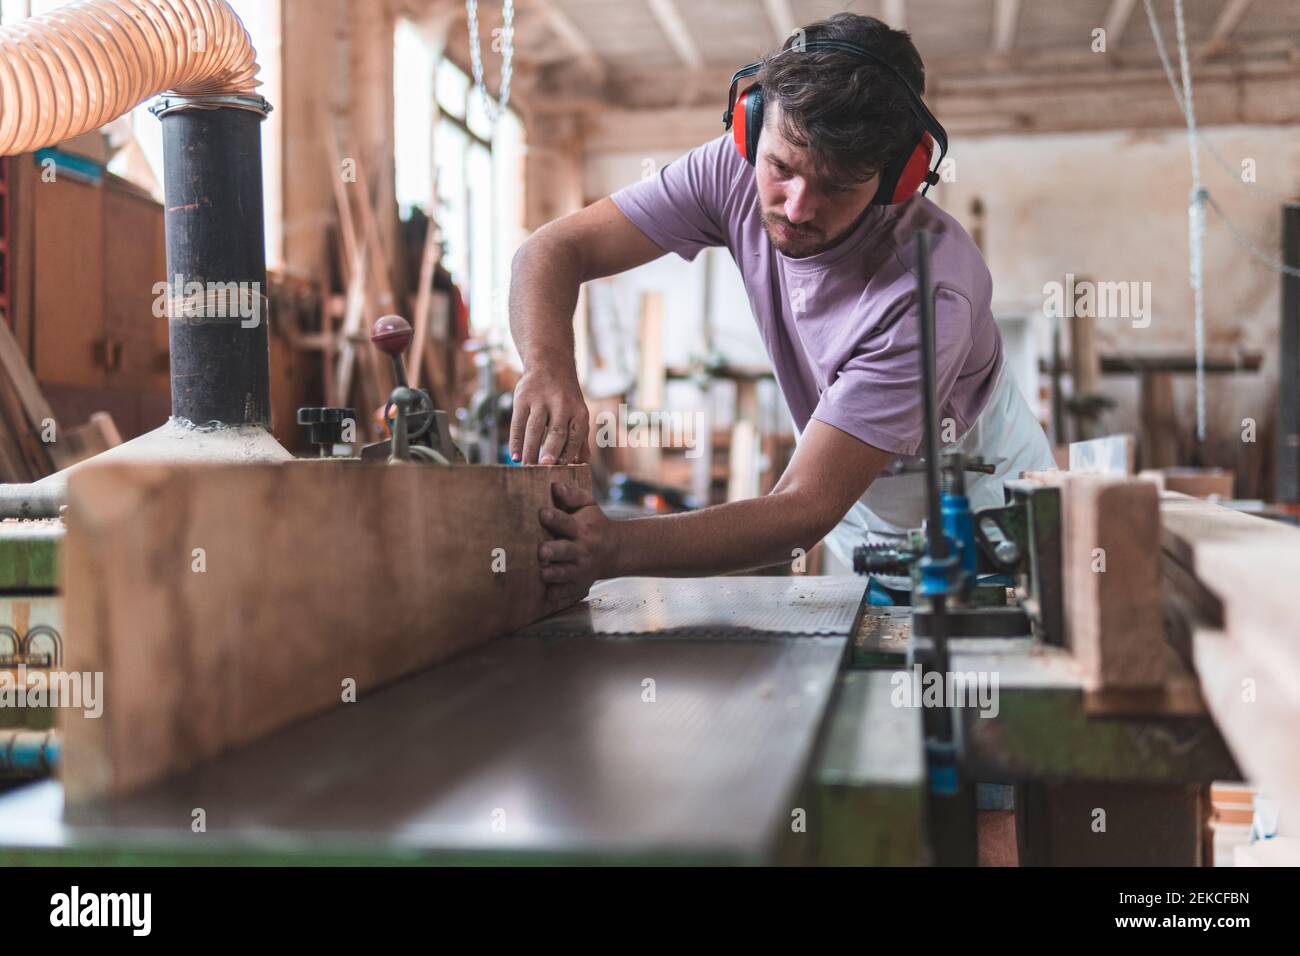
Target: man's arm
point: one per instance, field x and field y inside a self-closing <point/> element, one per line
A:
<point x="550" y="421"/>
<point x="829" y="472"/>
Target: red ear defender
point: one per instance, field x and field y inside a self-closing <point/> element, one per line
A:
<point x="747" y="123"/>
<point x="915" y="171"/>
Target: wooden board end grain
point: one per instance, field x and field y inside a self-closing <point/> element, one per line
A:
<point x="222" y="602"/>
<point x="1113" y="594"/>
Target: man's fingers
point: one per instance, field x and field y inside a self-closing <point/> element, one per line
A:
<point x="518" y="422"/>
<point x="557" y="436"/>
<point x="557" y="522"/>
<point x="571" y="497"/>
<point x="534" y="434"/>
<point x="555" y="552"/>
<point x="559" y="573"/>
<point x="575" y="449"/>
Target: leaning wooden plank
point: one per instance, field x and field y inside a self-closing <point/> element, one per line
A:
<point x="13" y="464"/>
<point x="34" y="406"/>
<point x="1113" y="596"/>
<point x="222" y="602"/>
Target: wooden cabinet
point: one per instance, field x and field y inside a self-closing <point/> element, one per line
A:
<point x="97" y="255"/>
<point x="69" y="281"/>
<point x="134" y="262"/>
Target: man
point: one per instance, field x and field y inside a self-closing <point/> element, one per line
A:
<point x="831" y="282"/>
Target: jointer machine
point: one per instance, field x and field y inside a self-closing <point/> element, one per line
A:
<point x="739" y="720"/>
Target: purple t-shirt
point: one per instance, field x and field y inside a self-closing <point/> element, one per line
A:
<point x="841" y="327"/>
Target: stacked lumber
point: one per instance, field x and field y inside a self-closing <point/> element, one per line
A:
<point x="222" y="602"/>
<point x="1241" y="571"/>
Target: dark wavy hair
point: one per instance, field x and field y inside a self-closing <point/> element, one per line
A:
<point x="849" y="111"/>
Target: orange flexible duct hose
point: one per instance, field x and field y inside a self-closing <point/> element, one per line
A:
<point x="86" y="63"/>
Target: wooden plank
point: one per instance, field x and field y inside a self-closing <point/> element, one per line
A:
<point x="1085" y="370"/>
<point x="1158" y="420"/>
<point x="1197" y="482"/>
<point x="21" y="248"/>
<point x="13" y="468"/>
<point x="1248" y="661"/>
<point x="312" y="573"/>
<point x="429" y="257"/>
<point x="1113" y="593"/>
<point x="353" y="318"/>
<point x="646" y="460"/>
<point x="1194" y="531"/>
<point x="36" y="410"/>
<point x="1250" y="565"/>
<point x="97" y="435"/>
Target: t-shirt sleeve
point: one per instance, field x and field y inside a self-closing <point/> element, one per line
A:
<point x="683" y="207"/>
<point x="876" y="397"/>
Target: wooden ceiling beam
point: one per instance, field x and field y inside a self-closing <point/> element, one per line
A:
<point x="781" y="15"/>
<point x="1006" y="19"/>
<point x="1229" y="17"/>
<point x="894" y="12"/>
<point x="1116" y="22"/>
<point x="1118" y="99"/>
<point x="571" y="36"/>
<point x="678" y="34"/>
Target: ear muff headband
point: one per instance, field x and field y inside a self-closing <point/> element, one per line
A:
<point x="900" y="178"/>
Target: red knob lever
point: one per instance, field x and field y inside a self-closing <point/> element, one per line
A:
<point x="391" y="334"/>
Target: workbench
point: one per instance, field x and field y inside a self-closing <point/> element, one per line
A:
<point x="736" y="720"/>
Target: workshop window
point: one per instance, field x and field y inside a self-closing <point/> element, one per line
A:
<point x="451" y="160"/>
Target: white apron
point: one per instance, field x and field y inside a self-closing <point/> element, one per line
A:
<point x="1006" y="434"/>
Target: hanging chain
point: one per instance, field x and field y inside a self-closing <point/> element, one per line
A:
<point x="492" y="110"/>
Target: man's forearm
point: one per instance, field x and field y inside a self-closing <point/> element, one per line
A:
<point x="544" y="283"/>
<point x="738" y="536"/>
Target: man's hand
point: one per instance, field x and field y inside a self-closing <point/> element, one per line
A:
<point x="584" y="551"/>
<point x="550" y="420"/>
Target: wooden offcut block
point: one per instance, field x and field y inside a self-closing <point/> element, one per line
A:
<point x="222" y="602"/>
<point x="1196" y="482"/>
<point x="1113" y="598"/>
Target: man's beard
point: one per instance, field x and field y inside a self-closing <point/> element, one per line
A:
<point x="806" y="240"/>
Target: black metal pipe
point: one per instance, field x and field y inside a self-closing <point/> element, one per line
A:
<point x="216" y="258"/>
<point x="938" y="544"/>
